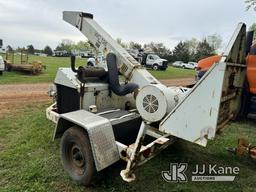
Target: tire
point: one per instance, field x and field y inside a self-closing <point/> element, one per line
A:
<point x="1" y="73"/>
<point x="76" y="155"/>
<point x="183" y="67"/>
<point x="90" y="64"/>
<point x="155" y="67"/>
<point x="8" y="68"/>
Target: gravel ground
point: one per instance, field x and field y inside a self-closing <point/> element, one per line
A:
<point x="17" y="95"/>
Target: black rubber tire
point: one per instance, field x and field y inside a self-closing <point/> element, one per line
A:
<point x="76" y="155"/>
<point x="155" y="67"/>
<point x="183" y="67"/>
<point x="89" y="64"/>
<point x="1" y="73"/>
<point x="8" y="68"/>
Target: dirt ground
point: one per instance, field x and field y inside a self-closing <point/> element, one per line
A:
<point x="178" y="82"/>
<point x="17" y="95"/>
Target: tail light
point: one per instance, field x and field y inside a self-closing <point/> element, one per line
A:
<point x="146" y="153"/>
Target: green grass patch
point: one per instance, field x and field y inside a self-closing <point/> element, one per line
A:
<point x="173" y="73"/>
<point x="53" y="63"/>
<point x="29" y="160"/>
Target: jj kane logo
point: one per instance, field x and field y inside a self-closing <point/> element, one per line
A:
<point x="177" y="173"/>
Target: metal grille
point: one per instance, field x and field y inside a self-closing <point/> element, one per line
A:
<point x="150" y="103"/>
<point x="124" y="68"/>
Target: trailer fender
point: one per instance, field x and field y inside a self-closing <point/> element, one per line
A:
<point x="100" y="133"/>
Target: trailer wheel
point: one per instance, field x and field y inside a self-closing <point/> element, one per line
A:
<point x="155" y="67"/>
<point x="90" y="64"/>
<point x="76" y="155"/>
<point x="1" y="72"/>
<point x="8" y="68"/>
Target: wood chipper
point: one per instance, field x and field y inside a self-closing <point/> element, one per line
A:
<point x="101" y="120"/>
<point x="248" y="107"/>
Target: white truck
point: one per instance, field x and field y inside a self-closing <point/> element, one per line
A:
<point x="2" y="65"/>
<point x="181" y="64"/>
<point x="101" y="120"/>
<point x="154" y="61"/>
<point x="189" y="65"/>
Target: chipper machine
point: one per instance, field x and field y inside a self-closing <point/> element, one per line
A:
<point x="101" y="120"/>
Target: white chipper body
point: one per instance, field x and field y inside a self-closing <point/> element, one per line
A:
<point x="101" y="120"/>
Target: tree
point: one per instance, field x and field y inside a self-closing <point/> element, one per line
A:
<point x="204" y="49"/>
<point x="65" y="45"/>
<point x="250" y="4"/>
<point x="48" y="50"/>
<point x="157" y="48"/>
<point x="253" y="28"/>
<point x="30" y="49"/>
<point x="120" y="42"/>
<point x="83" y="46"/>
<point x="19" y="49"/>
<point x="214" y="41"/>
<point x="134" y="45"/>
<point x="58" y="48"/>
<point x="192" y="48"/>
<point x="70" y="46"/>
<point x="9" y="48"/>
<point x="181" y="52"/>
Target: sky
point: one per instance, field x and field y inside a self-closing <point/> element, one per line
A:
<point x="39" y="22"/>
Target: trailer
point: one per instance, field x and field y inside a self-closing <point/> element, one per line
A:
<point x="101" y="120"/>
<point x="34" y="68"/>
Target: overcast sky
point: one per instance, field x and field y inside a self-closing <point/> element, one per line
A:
<point x="39" y="22"/>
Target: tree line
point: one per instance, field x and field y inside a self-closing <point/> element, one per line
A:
<point x="64" y="45"/>
<point x="188" y="50"/>
<point x="31" y="50"/>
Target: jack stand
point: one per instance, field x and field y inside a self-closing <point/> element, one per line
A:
<point x="128" y="173"/>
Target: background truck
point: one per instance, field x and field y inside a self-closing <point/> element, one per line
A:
<point x="101" y="120"/>
<point x="248" y="104"/>
<point x="148" y="59"/>
<point x="2" y="65"/>
<point x="181" y="64"/>
<point x="154" y="61"/>
<point x="61" y="54"/>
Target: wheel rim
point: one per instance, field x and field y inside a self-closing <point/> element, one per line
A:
<point x="76" y="159"/>
<point x="155" y="67"/>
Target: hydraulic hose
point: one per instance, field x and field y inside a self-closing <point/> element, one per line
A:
<point x="114" y="84"/>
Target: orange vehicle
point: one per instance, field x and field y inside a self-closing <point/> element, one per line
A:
<point x="248" y="104"/>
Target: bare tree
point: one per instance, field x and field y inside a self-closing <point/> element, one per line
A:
<point x="120" y="42"/>
<point x="250" y="4"/>
<point x="215" y="41"/>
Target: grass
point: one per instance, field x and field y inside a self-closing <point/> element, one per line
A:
<point x="53" y="63"/>
<point x="173" y="73"/>
<point x="29" y="160"/>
